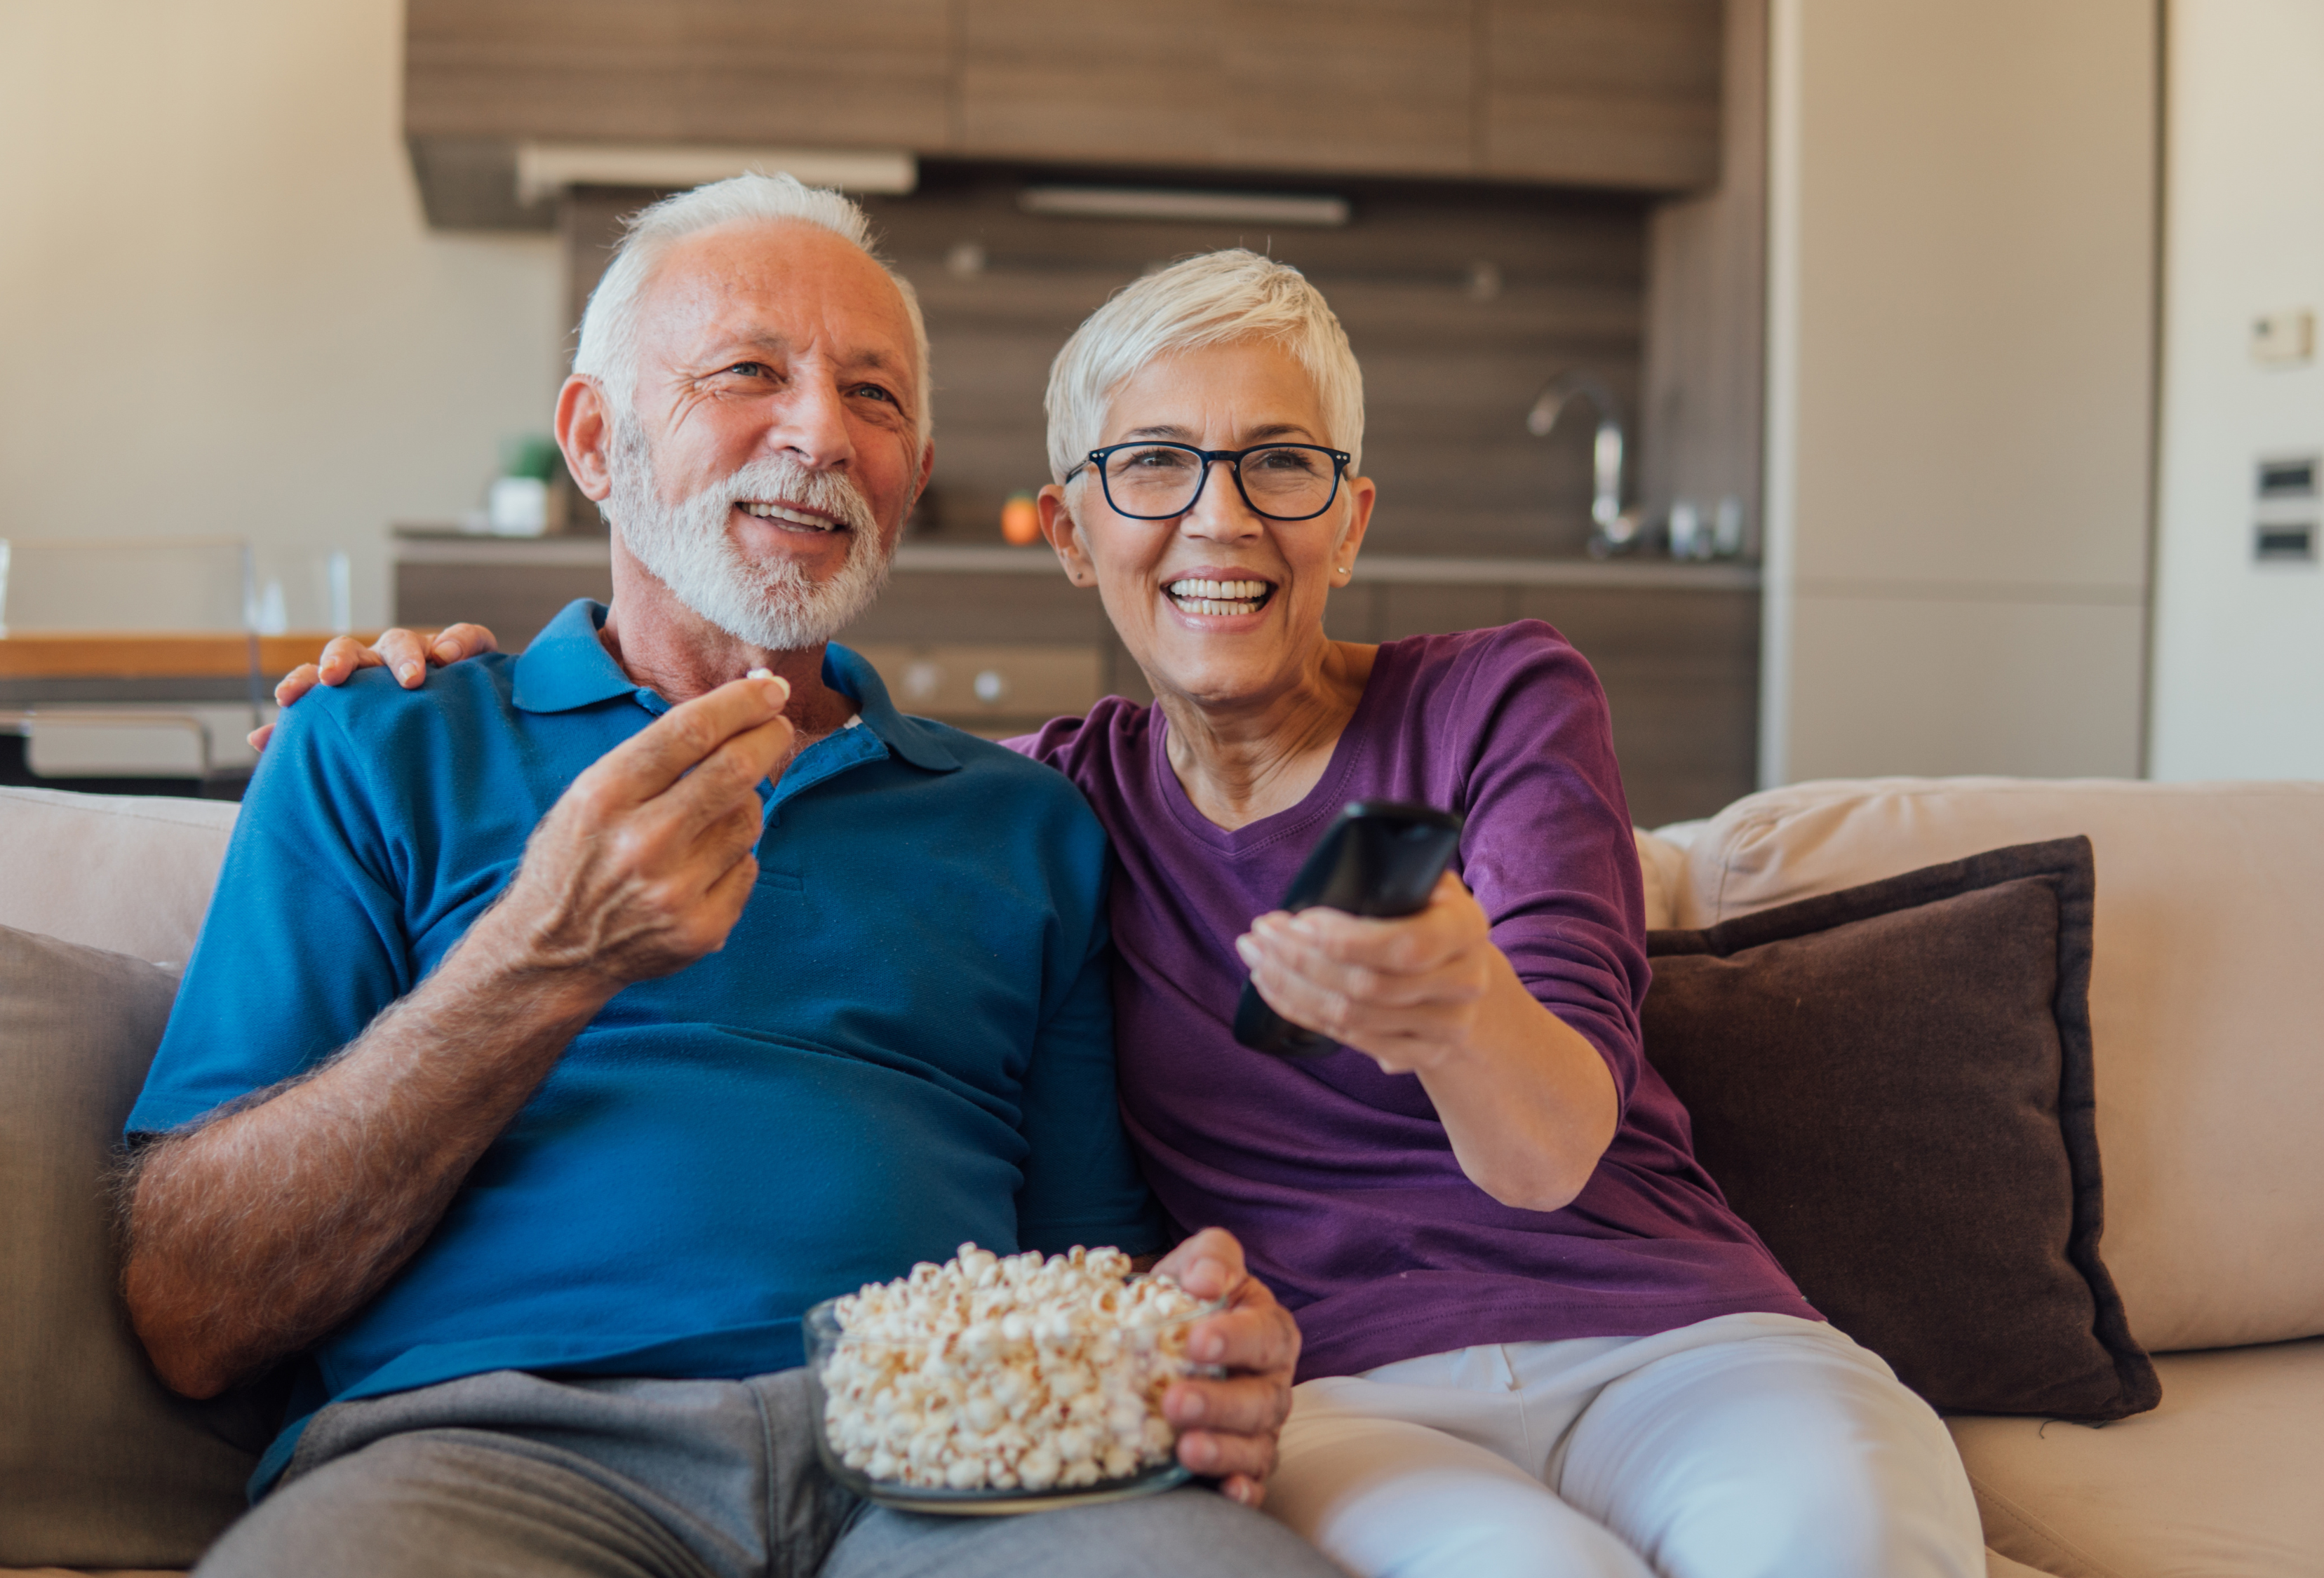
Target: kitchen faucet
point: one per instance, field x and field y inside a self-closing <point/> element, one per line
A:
<point x="1615" y="529"/>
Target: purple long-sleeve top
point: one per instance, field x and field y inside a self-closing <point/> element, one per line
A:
<point x="1338" y="1178"/>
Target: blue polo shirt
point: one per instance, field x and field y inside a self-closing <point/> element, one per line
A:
<point x="905" y="1043"/>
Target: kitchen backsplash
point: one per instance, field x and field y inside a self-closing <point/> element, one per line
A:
<point x="1462" y="302"/>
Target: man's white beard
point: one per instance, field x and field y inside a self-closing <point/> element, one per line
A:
<point x="687" y="547"/>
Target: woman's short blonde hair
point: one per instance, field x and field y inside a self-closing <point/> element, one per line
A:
<point x="1211" y="298"/>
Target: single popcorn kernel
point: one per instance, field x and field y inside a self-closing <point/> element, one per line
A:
<point x="1007" y="1373"/>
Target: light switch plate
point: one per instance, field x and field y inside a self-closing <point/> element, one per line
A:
<point x="2284" y="339"/>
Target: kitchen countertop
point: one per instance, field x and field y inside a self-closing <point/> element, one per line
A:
<point x="997" y="558"/>
<point x="57" y="668"/>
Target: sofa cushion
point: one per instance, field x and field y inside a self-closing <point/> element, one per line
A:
<point x="99" y="1466"/>
<point x="1662" y="869"/>
<point x="2206" y="1486"/>
<point x="128" y="873"/>
<point x="2204" y="1002"/>
<point x="1892" y="1084"/>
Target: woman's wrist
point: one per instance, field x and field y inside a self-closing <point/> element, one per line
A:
<point x="1503" y="1019"/>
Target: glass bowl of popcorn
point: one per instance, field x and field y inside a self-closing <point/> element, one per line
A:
<point x="997" y="1383"/>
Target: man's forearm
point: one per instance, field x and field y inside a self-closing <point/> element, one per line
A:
<point x="252" y="1236"/>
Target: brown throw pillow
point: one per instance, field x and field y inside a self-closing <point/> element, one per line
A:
<point x="99" y="1466"/>
<point x="1893" y="1085"/>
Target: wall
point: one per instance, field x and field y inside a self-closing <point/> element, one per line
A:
<point x="219" y="311"/>
<point x="2238" y="645"/>
<point x="1960" y="347"/>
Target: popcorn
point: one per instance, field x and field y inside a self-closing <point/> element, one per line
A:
<point x="1007" y="1374"/>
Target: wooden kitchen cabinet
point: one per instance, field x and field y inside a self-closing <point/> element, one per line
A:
<point x="481" y="76"/>
<point x="1380" y="87"/>
<point x="1618" y="93"/>
<point x="871" y="73"/>
<point x="1598" y="93"/>
<point x="1106" y="79"/>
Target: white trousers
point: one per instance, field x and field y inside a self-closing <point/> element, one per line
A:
<point x="1745" y="1446"/>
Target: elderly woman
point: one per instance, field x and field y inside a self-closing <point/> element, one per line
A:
<point x="1537" y="1339"/>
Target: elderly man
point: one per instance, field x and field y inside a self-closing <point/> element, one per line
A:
<point x="520" y="1104"/>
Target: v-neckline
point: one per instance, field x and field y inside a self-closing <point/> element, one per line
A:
<point x="1319" y="803"/>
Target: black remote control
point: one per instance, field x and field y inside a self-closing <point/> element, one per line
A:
<point x="1378" y="858"/>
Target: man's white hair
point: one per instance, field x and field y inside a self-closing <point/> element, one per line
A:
<point x="608" y="350"/>
<point x="1214" y="297"/>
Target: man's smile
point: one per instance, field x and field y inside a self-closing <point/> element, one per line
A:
<point x="790" y="515"/>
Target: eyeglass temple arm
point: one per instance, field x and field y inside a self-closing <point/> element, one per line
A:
<point x="1605" y="451"/>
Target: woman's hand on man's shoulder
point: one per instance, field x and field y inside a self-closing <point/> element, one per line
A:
<point x="405" y="653"/>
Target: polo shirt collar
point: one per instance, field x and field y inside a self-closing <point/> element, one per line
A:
<point x="567" y="666"/>
<point x="908" y="738"/>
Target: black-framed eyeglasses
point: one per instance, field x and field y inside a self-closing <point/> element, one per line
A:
<point x="1149" y="481"/>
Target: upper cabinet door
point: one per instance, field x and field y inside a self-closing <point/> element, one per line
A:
<point x="1621" y="93"/>
<point x="1096" y="80"/>
<point x="1381" y="86"/>
<point x="869" y="73"/>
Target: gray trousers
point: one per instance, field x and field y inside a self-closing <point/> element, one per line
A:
<point x="509" y="1473"/>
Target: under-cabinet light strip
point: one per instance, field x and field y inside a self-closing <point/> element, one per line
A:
<point x="1099" y="202"/>
<point x="546" y="169"/>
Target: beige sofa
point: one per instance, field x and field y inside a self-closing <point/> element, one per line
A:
<point x="2208" y="1009"/>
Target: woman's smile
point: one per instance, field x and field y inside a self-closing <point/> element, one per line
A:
<point x="1215" y="596"/>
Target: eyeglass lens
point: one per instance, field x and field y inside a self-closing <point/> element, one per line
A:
<point x="1287" y="481"/>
